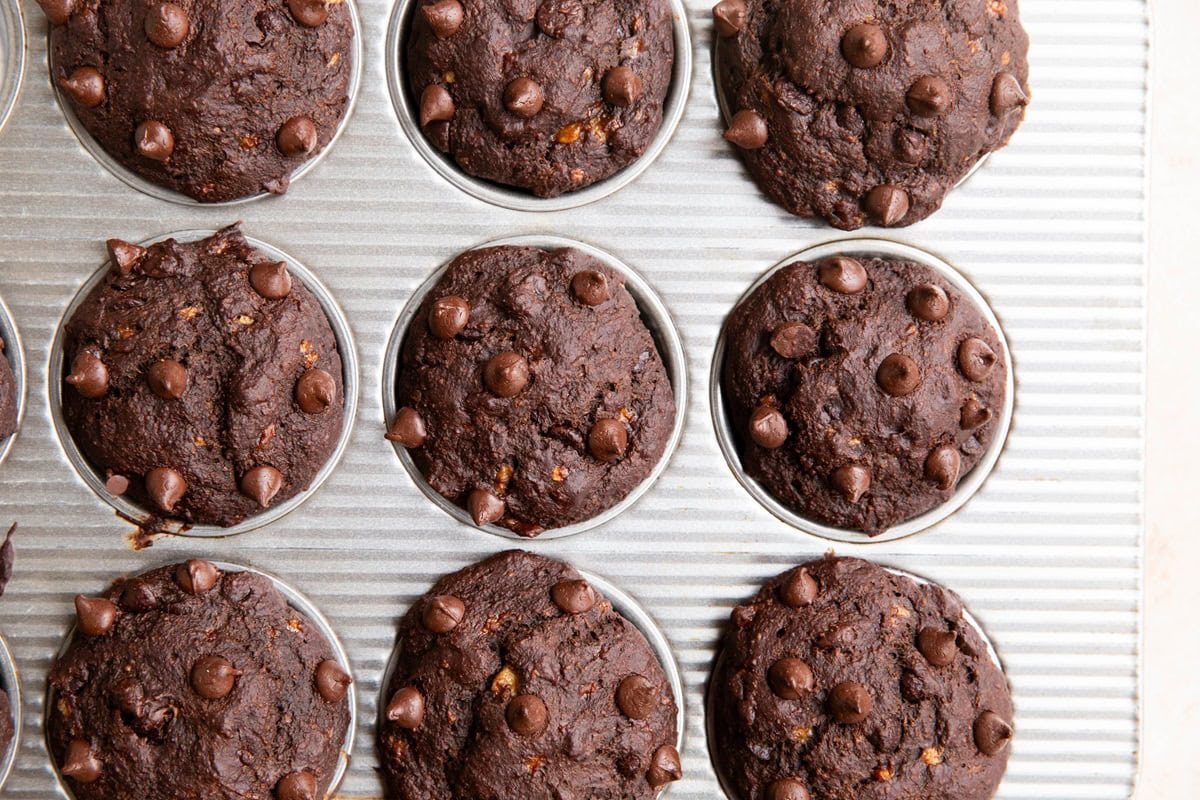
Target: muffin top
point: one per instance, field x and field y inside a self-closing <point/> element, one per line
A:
<point x="8" y="397"/>
<point x="531" y="392"/>
<point x="217" y="99"/>
<point x="547" y="97"/>
<point x="869" y="112"/>
<point x="861" y="390"/>
<point x="189" y="681"/>
<point x="513" y="678"/>
<point x="202" y="379"/>
<point x="843" y="681"/>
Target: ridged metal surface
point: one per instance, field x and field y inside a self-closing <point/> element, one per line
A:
<point x="1047" y="555"/>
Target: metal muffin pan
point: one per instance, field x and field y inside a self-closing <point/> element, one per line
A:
<point x="710" y="699"/>
<point x="131" y="511"/>
<point x="153" y="189"/>
<point x="1048" y="554"/>
<point x="298" y="602"/>
<point x="512" y="197"/>
<point x="654" y="314"/>
<point x="10" y="681"/>
<point x="15" y="354"/>
<point x="12" y="56"/>
<point x="968" y="484"/>
<point x="628" y="608"/>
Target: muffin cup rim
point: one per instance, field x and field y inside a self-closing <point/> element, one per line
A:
<point x="159" y="192"/>
<point x="515" y="198"/>
<point x="10" y="679"/>
<point x="968" y="484"/>
<point x="653" y="313"/>
<point x="139" y="515"/>
<point x="624" y="605"/>
<point x="297" y="601"/>
<point x="14" y="353"/>
<point x="710" y="689"/>
<point x="12" y="22"/>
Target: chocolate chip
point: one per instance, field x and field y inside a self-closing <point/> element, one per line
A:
<point x="406" y="708"/>
<point x="788" y="789"/>
<point x="57" y="11"/>
<point x="523" y="97"/>
<point x="851" y="481"/>
<point x="558" y="17"/>
<point x="1007" y="94"/>
<point x="909" y="145"/>
<point x="271" y="279"/>
<point x="849" y="703"/>
<point x="973" y="414"/>
<point x="443" y="613"/>
<point x="865" y="45"/>
<point x="929" y="96"/>
<point x="213" y="677"/>
<point x="297" y="786"/>
<point x="636" y="697"/>
<point x="85" y="85"/>
<point x="195" y="576"/>
<point x="124" y="255"/>
<point x="937" y="646"/>
<point x="81" y="763"/>
<point x="590" y="287"/>
<point x="527" y="715"/>
<point x="94" y="616"/>
<point x="261" y="484"/>
<point x="116" y="485"/>
<point x="574" y="596"/>
<point x="729" y="17"/>
<point x="484" y="507"/>
<point x="992" y="733"/>
<point x="167" y="378"/>
<point x="448" y="315"/>
<point x="506" y="374"/>
<point x="887" y="204"/>
<point x="607" y="440"/>
<point x="332" y="681"/>
<point x="748" y="130"/>
<point x="928" y="302"/>
<point x="408" y="429"/>
<point x="444" y="17"/>
<point x="315" y="391"/>
<point x="941" y="466"/>
<point x="794" y="340"/>
<point x="436" y="104"/>
<point x="790" y="678"/>
<point x="166" y="25"/>
<point x="622" y="87"/>
<point x="154" y="140"/>
<point x="843" y="275"/>
<point x="166" y="487"/>
<point x="664" y="767"/>
<point x="836" y="636"/>
<point x="799" y="589"/>
<point x="768" y="428"/>
<point x="309" y="13"/>
<point x="89" y="376"/>
<point x="976" y="358"/>
<point x="297" y="136"/>
<point x="898" y="375"/>
<point x="139" y="595"/>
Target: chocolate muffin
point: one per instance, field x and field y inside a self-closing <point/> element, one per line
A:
<point x="217" y="99"/>
<point x="202" y="379"/>
<point x="7" y="727"/>
<point x="531" y="392"/>
<point x="861" y="390"/>
<point x="869" y="112"/>
<point x="514" y="679"/>
<point x="188" y="681"/>
<point x="8" y="397"/>
<point x="842" y="681"/>
<point x="547" y="97"/>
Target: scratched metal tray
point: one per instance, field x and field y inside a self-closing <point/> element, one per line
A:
<point x="1047" y="554"/>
